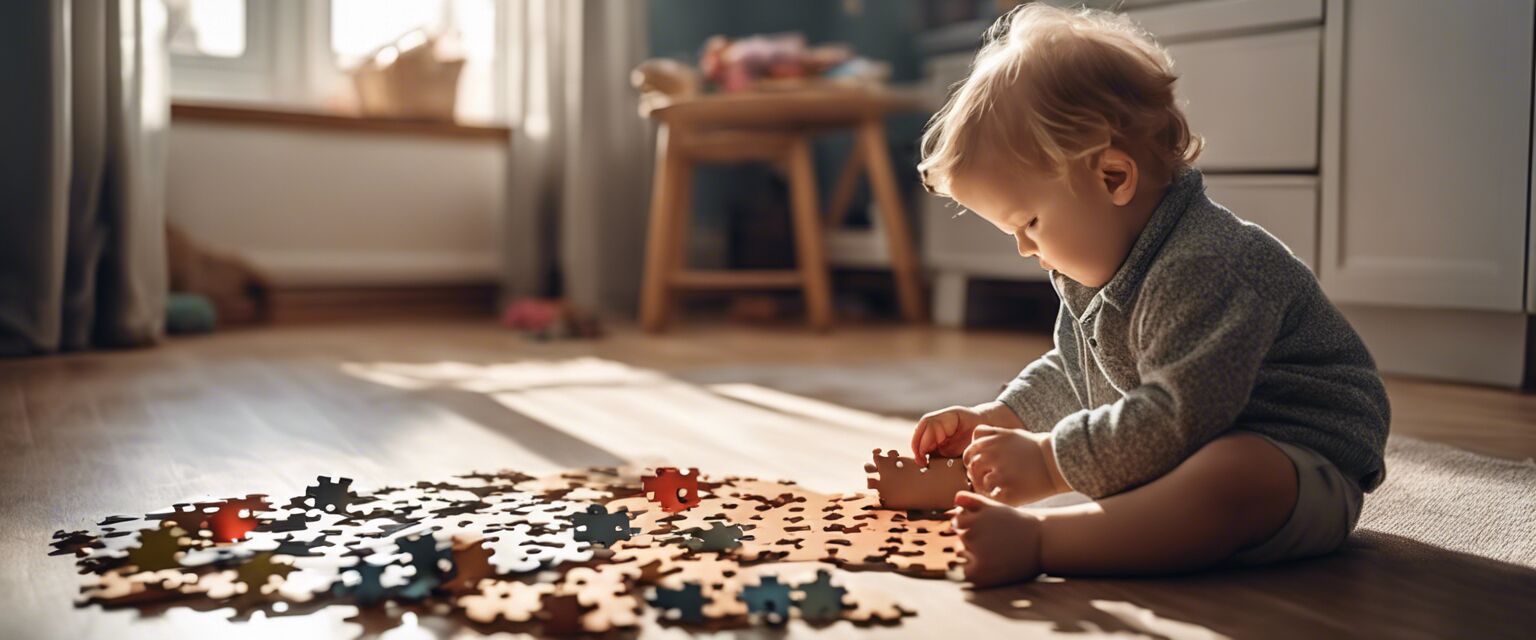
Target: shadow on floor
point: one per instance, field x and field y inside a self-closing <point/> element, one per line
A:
<point x="1379" y="585"/>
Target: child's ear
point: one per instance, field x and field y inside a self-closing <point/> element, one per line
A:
<point x="1118" y="172"/>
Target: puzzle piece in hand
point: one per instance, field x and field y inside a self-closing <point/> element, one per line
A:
<point x="601" y="527"/>
<point x="718" y="537"/>
<point x="904" y="483"/>
<point x="768" y="598"/>
<point x="821" y="601"/>
<point x="674" y="490"/>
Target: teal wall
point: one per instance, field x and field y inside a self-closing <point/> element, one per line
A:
<point x="883" y="30"/>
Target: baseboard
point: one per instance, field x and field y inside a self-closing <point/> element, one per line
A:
<point x="374" y="269"/>
<point x="288" y="305"/>
<point x="1476" y="347"/>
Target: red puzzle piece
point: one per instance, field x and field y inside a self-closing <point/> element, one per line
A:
<point x="674" y="490"/>
<point x="227" y="525"/>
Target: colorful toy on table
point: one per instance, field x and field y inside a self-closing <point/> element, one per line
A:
<point x="782" y="60"/>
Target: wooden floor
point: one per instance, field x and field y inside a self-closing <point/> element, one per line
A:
<point x="84" y="436"/>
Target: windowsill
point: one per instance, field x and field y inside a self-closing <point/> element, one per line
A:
<point x="265" y="116"/>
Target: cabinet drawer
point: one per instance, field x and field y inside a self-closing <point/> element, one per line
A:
<point x="1286" y="206"/>
<point x="1254" y="99"/>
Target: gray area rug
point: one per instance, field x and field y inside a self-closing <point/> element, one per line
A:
<point x="1435" y="494"/>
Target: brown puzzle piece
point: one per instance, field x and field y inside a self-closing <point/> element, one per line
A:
<point x="905" y="483"/>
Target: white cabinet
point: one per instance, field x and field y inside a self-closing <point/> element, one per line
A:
<point x="1427" y="139"/>
<point x="1285" y="205"/>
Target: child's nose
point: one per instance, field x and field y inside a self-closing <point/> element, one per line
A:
<point x="1026" y="246"/>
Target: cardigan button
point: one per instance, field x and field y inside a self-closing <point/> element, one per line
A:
<point x="1093" y="343"/>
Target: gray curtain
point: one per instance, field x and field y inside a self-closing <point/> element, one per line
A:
<point x="581" y="153"/>
<point x="83" y="116"/>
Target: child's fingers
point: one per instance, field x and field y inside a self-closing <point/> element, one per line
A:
<point x="986" y="431"/>
<point x="962" y="522"/>
<point x="974" y="451"/>
<point x="919" y="435"/>
<point x="969" y="501"/>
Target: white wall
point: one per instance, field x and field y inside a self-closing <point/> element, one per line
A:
<point x="341" y="208"/>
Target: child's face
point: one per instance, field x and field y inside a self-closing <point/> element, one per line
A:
<point x="1080" y="225"/>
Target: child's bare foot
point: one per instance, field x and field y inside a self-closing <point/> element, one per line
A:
<point x="1002" y="544"/>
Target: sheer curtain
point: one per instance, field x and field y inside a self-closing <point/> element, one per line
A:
<point x="581" y="154"/>
<point x="82" y="215"/>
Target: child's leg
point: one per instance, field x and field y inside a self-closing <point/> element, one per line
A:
<point x="1235" y="492"/>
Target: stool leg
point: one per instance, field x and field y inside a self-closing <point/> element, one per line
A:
<point x="843" y="191"/>
<point x="810" y="251"/>
<point x="882" y="180"/>
<point x="660" y="257"/>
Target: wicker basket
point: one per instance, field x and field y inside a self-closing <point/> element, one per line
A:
<point x="408" y="83"/>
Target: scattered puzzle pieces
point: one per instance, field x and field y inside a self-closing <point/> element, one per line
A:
<point x="569" y="553"/>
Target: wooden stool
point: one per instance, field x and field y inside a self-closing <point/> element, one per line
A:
<point x="774" y="127"/>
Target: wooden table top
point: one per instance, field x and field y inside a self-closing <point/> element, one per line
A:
<point x="789" y="108"/>
<point x="84" y="436"/>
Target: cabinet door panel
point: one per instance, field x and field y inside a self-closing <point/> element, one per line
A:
<point x="1254" y="98"/>
<point x="1427" y="152"/>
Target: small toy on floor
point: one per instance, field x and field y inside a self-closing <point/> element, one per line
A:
<point x="544" y="319"/>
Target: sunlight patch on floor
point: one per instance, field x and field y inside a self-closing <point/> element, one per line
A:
<point x="651" y="419"/>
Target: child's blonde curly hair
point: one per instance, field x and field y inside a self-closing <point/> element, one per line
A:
<point x="1052" y="87"/>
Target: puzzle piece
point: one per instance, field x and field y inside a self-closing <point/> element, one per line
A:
<point x="820" y="601"/>
<point x="599" y="526"/>
<point x="77" y="543"/>
<point x="330" y="496"/>
<point x="562" y="614"/>
<point x="674" y="490"/>
<point x="684" y="604"/>
<point x="768" y="598"/>
<point x="606" y="594"/>
<point x="235" y="518"/>
<point x="158" y="549"/>
<point x="718" y="537"/>
<point x="471" y="564"/>
<point x="369" y="590"/>
<point x="256" y="573"/>
<point x="904" y="483"/>
<point x="510" y="601"/>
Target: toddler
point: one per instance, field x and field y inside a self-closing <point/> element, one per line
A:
<point x="1207" y="396"/>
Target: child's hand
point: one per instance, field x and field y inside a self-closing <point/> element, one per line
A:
<point x="947" y="432"/>
<point x="1002" y="544"/>
<point x="1012" y="466"/>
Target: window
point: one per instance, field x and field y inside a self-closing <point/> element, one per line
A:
<point x="298" y="54"/>
<point x="358" y="28"/>
<point x="214" y="28"/>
